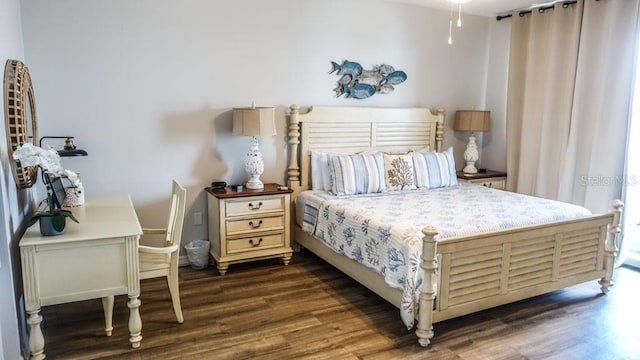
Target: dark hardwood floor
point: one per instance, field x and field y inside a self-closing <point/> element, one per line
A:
<point x="309" y="310"/>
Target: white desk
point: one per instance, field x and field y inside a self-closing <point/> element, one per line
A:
<point x="95" y="258"/>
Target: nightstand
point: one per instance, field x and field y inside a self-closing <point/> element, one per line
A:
<point x="492" y="179"/>
<point x="249" y="225"/>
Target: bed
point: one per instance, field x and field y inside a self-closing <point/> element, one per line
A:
<point x="460" y="273"/>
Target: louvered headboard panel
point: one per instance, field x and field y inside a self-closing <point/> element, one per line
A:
<point x="353" y="129"/>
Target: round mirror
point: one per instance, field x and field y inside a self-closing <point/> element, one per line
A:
<point x="21" y="123"/>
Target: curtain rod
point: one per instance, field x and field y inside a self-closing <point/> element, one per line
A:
<point x="540" y="9"/>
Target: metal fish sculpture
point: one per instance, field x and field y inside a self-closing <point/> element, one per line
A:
<point x="342" y="83"/>
<point x="347" y="68"/>
<point x="357" y="83"/>
<point x="384" y="69"/>
<point x="345" y="79"/>
<point x="358" y="91"/>
<point x="385" y="89"/>
<point x="370" y="77"/>
<point x="395" y="78"/>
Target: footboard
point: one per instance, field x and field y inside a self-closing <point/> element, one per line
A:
<point x="492" y="269"/>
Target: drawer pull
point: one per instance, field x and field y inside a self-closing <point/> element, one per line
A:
<point x="255" y="244"/>
<point x="255" y="207"/>
<point x="255" y="226"/>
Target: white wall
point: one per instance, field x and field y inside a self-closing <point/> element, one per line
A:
<point x="147" y="86"/>
<point x="14" y="203"/>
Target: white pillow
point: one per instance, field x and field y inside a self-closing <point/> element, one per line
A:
<point x="357" y="173"/>
<point x="398" y="171"/>
<point x="320" y="176"/>
<point x="434" y="169"/>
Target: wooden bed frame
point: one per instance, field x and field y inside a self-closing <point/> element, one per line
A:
<point x="473" y="272"/>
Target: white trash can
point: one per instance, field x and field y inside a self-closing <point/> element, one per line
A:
<point x="198" y="253"/>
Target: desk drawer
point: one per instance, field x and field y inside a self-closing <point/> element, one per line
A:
<point x="255" y="243"/>
<point x="255" y="224"/>
<point x="254" y="205"/>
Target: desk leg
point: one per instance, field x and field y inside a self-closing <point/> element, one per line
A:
<point x="135" y="323"/>
<point x="107" y="307"/>
<point x="36" y="340"/>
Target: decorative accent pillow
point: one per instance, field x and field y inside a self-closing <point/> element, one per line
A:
<point x="357" y="173"/>
<point x="434" y="169"/>
<point x="320" y="173"/>
<point x="398" y="171"/>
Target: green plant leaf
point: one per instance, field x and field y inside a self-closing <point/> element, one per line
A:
<point x="66" y="213"/>
<point x="58" y="222"/>
<point x="32" y="220"/>
<point x="52" y="207"/>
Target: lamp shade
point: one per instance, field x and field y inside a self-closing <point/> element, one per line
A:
<point x="254" y="121"/>
<point x="472" y="120"/>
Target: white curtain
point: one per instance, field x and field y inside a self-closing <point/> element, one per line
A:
<point x="630" y="247"/>
<point x="568" y="104"/>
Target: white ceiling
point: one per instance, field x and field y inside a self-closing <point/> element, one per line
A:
<point x="478" y="7"/>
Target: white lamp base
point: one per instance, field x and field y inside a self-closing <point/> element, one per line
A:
<point x="471" y="156"/>
<point x="254" y="166"/>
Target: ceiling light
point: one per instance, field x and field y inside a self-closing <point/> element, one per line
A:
<point x="459" y="23"/>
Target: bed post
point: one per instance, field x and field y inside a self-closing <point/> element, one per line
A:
<point x="428" y="264"/>
<point x="440" y="131"/>
<point x="293" y="172"/>
<point x="610" y="247"/>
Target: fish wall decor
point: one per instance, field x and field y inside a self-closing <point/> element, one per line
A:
<point x="358" y="83"/>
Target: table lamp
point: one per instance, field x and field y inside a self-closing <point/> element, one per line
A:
<point x="254" y="121"/>
<point x="472" y="120"/>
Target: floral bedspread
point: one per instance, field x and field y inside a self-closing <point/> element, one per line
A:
<point x="383" y="231"/>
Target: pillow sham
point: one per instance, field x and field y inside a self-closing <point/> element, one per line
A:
<point x="398" y="171"/>
<point x="357" y="173"/>
<point x="320" y="173"/>
<point x="434" y="169"/>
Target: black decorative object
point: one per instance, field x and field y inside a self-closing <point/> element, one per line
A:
<point x="69" y="148"/>
<point x="218" y="184"/>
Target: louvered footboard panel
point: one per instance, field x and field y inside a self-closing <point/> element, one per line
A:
<point x="474" y="274"/>
<point x="580" y="253"/>
<point x="494" y="269"/>
<point x="530" y="262"/>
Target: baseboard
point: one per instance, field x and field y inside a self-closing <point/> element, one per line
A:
<point x="183" y="260"/>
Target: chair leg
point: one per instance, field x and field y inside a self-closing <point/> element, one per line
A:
<point x="107" y="307"/>
<point x="172" y="280"/>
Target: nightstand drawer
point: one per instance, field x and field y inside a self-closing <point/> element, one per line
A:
<point x="255" y="224"/>
<point x="495" y="183"/>
<point x="254" y="205"/>
<point x="489" y="178"/>
<point x="255" y="243"/>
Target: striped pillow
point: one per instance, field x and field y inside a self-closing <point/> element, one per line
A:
<point x="434" y="169"/>
<point x="357" y="173"/>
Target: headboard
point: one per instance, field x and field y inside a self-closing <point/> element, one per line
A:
<point x="354" y="129"/>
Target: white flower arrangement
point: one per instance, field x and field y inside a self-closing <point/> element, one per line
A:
<point x="49" y="160"/>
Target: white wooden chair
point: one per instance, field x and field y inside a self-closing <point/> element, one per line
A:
<point x="156" y="261"/>
<point x="163" y="260"/>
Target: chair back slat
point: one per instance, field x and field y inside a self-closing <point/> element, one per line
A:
<point x="176" y="214"/>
